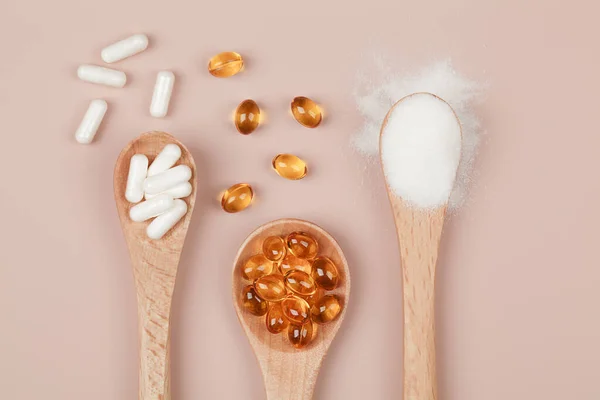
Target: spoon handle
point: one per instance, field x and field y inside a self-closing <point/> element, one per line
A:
<point x="290" y="375"/>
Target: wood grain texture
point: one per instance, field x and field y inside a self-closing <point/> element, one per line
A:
<point x="289" y="374"/>
<point x="154" y="265"/>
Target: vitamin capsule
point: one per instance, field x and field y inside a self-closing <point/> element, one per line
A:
<point x="91" y="121"/>
<point x="300" y="283"/>
<point x="256" y="267"/>
<point x="162" y="94"/>
<point x="300" y="335"/>
<point x="177" y="192"/>
<point x="291" y="262"/>
<point x="276" y="321"/>
<point x="325" y="273"/>
<point x="302" y="245"/>
<point x="247" y="117"/>
<point x="274" y="248"/>
<point x="295" y="309"/>
<point x="252" y="302"/>
<point x="151" y="208"/>
<point x="326" y="309"/>
<point x="168" y="179"/>
<point x="138" y="165"/>
<point x="165" y="159"/>
<point x="226" y="64"/>
<point x="312" y="299"/>
<point x="289" y="166"/>
<point x="165" y="221"/>
<point x="237" y="198"/>
<point x="306" y="112"/>
<point x="101" y="75"/>
<point x="270" y="287"/>
<point x="124" y="48"/>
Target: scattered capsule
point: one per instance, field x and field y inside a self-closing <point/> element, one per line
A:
<point x="91" y="121"/>
<point x="289" y="166"/>
<point x="237" y="198"/>
<point x="274" y="248"/>
<point x="226" y="64"/>
<point x="306" y="112"/>
<point x="302" y="245"/>
<point x="247" y="117"/>
<point x="270" y="287"/>
<point x="300" y="335"/>
<point x="300" y="283"/>
<point x="291" y="262"/>
<point x="252" y="302"/>
<point x="295" y="309"/>
<point x="124" y="48"/>
<point x="325" y="273"/>
<point x="101" y="75"/>
<point x="276" y="321"/>
<point x="326" y="309"/>
<point x="256" y="267"/>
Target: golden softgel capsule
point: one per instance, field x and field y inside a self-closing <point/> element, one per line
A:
<point x="270" y="287"/>
<point x="289" y="166"/>
<point x="295" y="309"/>
<point x="306" y="112"/>
<point x="274" y="248"/>
<point x="302" y="245"/>
<point x="226" y="64"/>
<point x="252" y="302"/>
<point x="237" y="198"/>
<point x="300" y="283"/>
<point x="325" y="273"/>
<point x="276" y="321"/>
<point x="300" y="335"/>
<point x="256" y="267"/>
<point x="326" y="309"/>
<point x="291" y="262"/>
<point x="247" y="117"/>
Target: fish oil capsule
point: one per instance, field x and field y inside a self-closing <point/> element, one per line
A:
<point x="91" y="121"/>
<point x="291" y="262"/>
<point x="151" y="208"/>
<point x="237" y="198"/>
<point x="247" y="117"/>
<point x="101" y="75"/>
<point x="302" y="245"/>
<point x="168" y="179"/>
<point x="167" y="157"/>
<point x="274" y="248"/>
<point x="167" y="220"/>
<point x="312" y="299"/>
<point x="325" y="273"/>
<point x="300" y="283"/>
<point x="256" y="267"/>
<point x="295" y="309"/>
<point x="289" y="166"/>
<point x="300" y="335"/>
<point x="252" y="302"/>
<point x="226" y="64"/>
<point x="276" y="321"/>
<point x="138" y="166"/>
<point x="124" y="48"/>
<point x="306" y="112"/>
<point x="326" y="309"/>
<point x="163" y="88"/>
<point x="270" y="287"/>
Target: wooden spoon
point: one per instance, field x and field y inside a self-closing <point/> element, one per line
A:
<point x="154" y="265"/>
<point x="419" y="233"/>
<point x="289" y="374"/>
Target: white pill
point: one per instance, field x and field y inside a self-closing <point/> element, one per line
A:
<point x="138" y="167"/>
<point x="178" y="192"/>
<point x="165" y="221"/>
<point x="151" y="208"/>
<point x="101" y="75"/>
<point x="168" y="179"/>
<point x="165" y="159"/>
<point x="162" y="94"/>
<point x="91" y="121"/>
<point x="124" y="48"/>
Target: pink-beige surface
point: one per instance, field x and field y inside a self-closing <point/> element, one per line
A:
<point x="518" y="275"/>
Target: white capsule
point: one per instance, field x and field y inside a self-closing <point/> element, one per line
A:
<point x="178" y="192"/>
<point x="138" y="167"/>
<point x="101" y="75"/>
<point x="151" y="208"/>
<point x="162" y="94"/>
<point x="124" y="48"/>
<point x="168" y="179"/>
<point x="165" y="221"/>
<point x="91" y="121"/>
<point x="165" y="159"/>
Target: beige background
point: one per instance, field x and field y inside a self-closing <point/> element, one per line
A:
<point x="518" y="278"/>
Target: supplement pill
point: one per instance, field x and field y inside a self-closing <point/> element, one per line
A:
<point x="326" y="309"/>
<point x="168" y="179"/>
<point x="270" y="287"/>
<point x="165" y="221"/>
<point x="124" y="48"/>
<point x="276" y="321"/>
<point x="256" y="267"/>
<point x="162" y="94"/>
<point x="300" y="335"/>
<point x="247" y="117"/>
<point x="289" y="166"/>
<point x="101" y="75"/>
<point x="151" y="208"/>
<point x="306" y="112"/>
<point x="300" y="283"/>
<point x="252" y="302"/>
<point x="291" y="262"/>
<point x="274" y="248"/>
<point x="226" y="64"/>
<point x="165" y="159"/>
<point x="177" y="192"/>
<point x="302" y="245"/>
<point x="325" y="273"/>
<point x="237" y="198"/>
<point x="138" y="166"/>
<point x="295" y="309"/>
<point x="91" y="121"/>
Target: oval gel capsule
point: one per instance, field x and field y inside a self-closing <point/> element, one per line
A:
<point x="138" y="167"/>
<point x="162" y="94"/>
<point x="101" y="75"/>
<point x="167" y="220"/>
<point x="151" y="208"/>
<point x="178" y="192"/>
<point x="168" y="179"/>
<point x="165" y="159"/>
<point x="124" y="48"/>
<point x="91" y="121"/>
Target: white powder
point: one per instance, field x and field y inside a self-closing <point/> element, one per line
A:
<point x="420" y="150"/>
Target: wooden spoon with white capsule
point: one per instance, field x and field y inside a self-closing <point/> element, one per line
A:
<point x="154" y="265"/>
<point x="419" y="232"/>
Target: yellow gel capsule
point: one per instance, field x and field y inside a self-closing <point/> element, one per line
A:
<point x="276" y="321"/>
<point x="247" y="117"/>
<point x="274" y="248"/>
<point x="326" y="309"/>
<point x="252" y="302"/>
<point x="256" y="266"/>
<point x="226" y="64"/>
<point x="306" y="112"/>
<point x="300" y="283"/>
<point x="237" y="198"/>
<point x="325" y="273"/>
<point x="295" y="309"/>
<point x="300" y="335"/>
<point x="270" y="287"/>
<point x="302" y="245"/>
<point x="289" y="166"/>
<point x="291" y="262"/>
